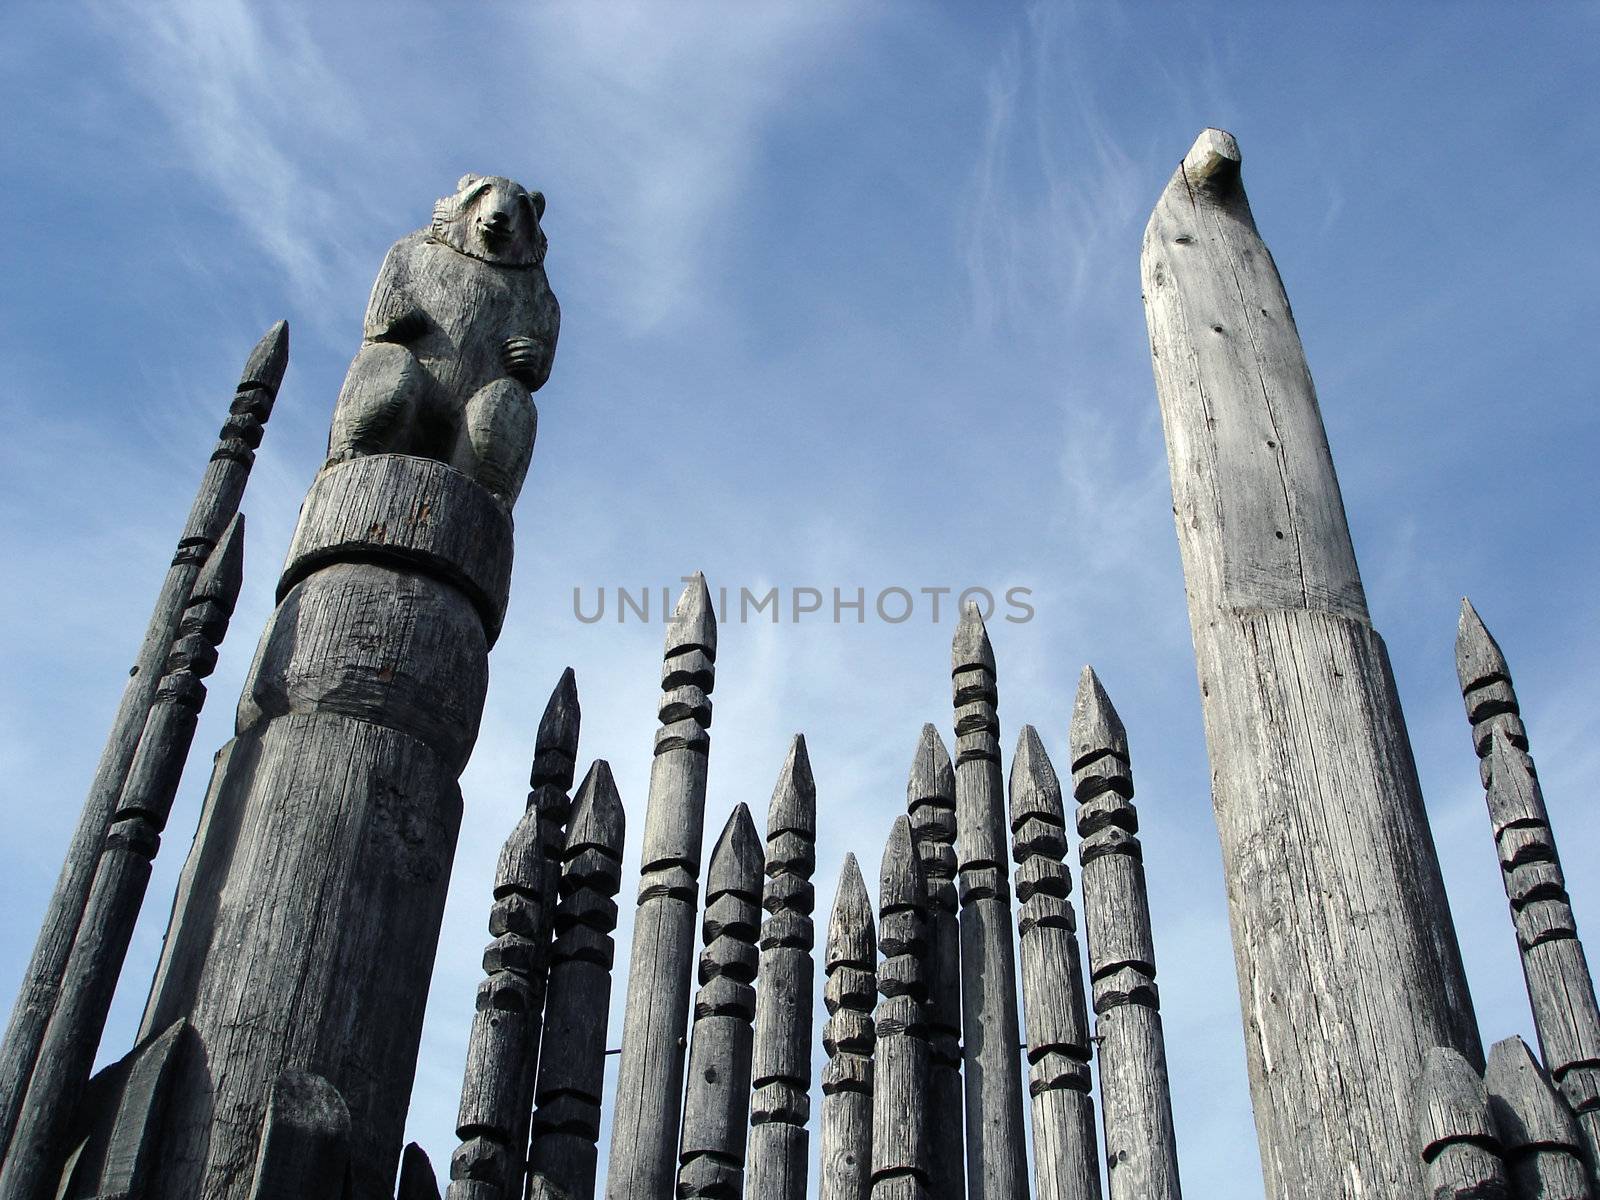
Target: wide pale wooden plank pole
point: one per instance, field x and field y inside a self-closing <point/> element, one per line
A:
<point x="1348" y="965"/>
<point x="776" y="1159"/>
<point x="996" y="1163"/>
<point x="32" y="1165"/>
<point x="901" y="1138"/>
<point x="1066" y="1152"/>
<point x="572" y="1058"/>
<point x="1461" y="1154"/>
<point x="1560" y="987"/>
<point x="850" y="958"/>
<point x="1135" y="1100"/>
<point x="1544" y="1151"/>
<point x="931" y="805"/>
<point x="716" y="1102"/>
<point x="645" y="1119"/>
<point x="215" y="503"/>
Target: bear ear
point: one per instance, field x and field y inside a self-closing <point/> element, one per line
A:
<point x="537" y="200"/>
<point x="465" y="182"/>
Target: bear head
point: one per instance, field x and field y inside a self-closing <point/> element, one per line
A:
<point x="492" y="218"/>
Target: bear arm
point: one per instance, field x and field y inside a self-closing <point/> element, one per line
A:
<point x="392" y="313"/>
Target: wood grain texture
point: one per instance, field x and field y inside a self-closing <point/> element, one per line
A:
<point x="215" y="504"/>
<point x="850" y="960"/>
<point x="1136" y="1101"/>
<point x="1338" y="912"/>
<point x="38" y="1150"/>
<point x="566" y="1123"/>
<point x="901" y="1138"/>
<point x="996" y="1166"/>
<point x="780" y="1107"/>
<point x="305" y="1142"/>
<point x="323" y="856"/>
<point x="1560" y="987"/>
<point x="931" y="806"/>
<point x="1066" y="1152"/>
<point x="646" y="1115"/>
<point x="1460" y="1148"/>
<point x="412" y="511"/>
<point x="716" y="1102"/>
<point x="1544" y="1152"/>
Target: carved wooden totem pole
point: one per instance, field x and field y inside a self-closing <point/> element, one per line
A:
<point x="296" y="965"/>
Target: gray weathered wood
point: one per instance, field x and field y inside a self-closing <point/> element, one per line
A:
<point x="931" y="805"/>
<point x="996" y="1167"/>
<point x="1066" y="1152"/>
<point x="324" y="849"/>
<point x="1315" y="791"/>
<point x="1136" y="1102"/>
<point x="123" y="1108"/>
<point x="417" y="1180"/>
<point x="645" y="1119"/>
<point x="497" y="1087"/>
<point x="32" y="1165"/>
<point x="305" y="1142"/>
<point x="1460" y="1147"/>
<point x="216" y="502"/>
<point x="1560" y="987"/>
<point x="566" y="1124"/>
<point x="1544" y="1152"/>
<point x="461" y="327"/>
<point x="780" y="1107"/>
<point x="850" y="960"/>
<point x="716" y="1102"/>
<point x="901" y="1137"/>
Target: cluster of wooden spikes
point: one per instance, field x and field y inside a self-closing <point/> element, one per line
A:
<point x="926" y="1062"/>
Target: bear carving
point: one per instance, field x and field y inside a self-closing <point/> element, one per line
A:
<point x="460" y="329"/>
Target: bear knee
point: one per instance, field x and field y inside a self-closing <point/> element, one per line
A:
<point x="377" y="403"/>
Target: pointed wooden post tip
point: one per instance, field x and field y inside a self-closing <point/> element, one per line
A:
<point x="1527" y="1109"/>
<point x="932" y="772"/>
<point x="694" y="620"/>
<point x="598" y="819"/>
<point x="900" y="877"/>
<point x="738" y="856"/>
<point x="971" y="646"/>
<point x="1035" y="788"/>
<point x="852" y="937"/>
<point x="1453" y="1104"/>
<point x="1479" y="659"/>
<point x="1095" y="726"/>
<point x="268" y="360"/>
<point x="223" y="573"/>
<point x="794" y="797"/>
<point x="1213" y="159"/>
<point x="562" y="719"/>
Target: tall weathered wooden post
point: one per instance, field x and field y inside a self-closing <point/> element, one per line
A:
<point x="901" y="1138"/>
<point x="644" y="1123"/>
<point x="1314" y="788"/>
<point x="1560" y="987"/>
<point x="67" y="1053"/>
<point x="716" y="1103"/>
<point x="1066" y="1159"/>
<point x="990" y="1050"/>
<point x="1135" y="1101"/>
<point x="215" y="503"/>
<point x="775" y="1162"/>
<point x="851" y="962"/>
<point x="931" y="806"/>
<point x="303" y="934"/>
<point x="572" y="1058"/>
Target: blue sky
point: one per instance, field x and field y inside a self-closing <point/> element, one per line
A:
<point x="850" y="299"/>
